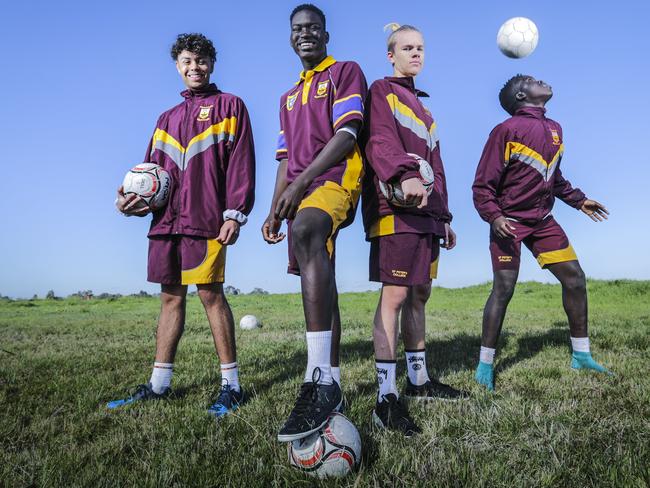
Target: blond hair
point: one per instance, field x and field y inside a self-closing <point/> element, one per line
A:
<point x="394" y="29"/>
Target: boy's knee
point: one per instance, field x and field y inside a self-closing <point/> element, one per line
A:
<point x="394" y="296"/>
<point x="419" y="294"/>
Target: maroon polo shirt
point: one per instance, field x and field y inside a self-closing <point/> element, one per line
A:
<point x="323" y="100"/>
<point x="518" y="175"/>
<point x="398" y="123"/>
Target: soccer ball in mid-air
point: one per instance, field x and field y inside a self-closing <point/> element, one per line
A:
<point x="150" y="182"/>
<point x="332" y="451"/>
<point x="517" y="37"/>
<point x="249" y="322"/>
<point x="393" y="191"/>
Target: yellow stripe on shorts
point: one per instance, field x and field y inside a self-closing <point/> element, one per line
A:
<point x="211" y="270"/>
<point x="559" y="256"/>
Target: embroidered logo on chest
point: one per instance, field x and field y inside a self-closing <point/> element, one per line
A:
<point x="556" y="137"/>
<point x="204" y="114"/>
<point x="321" y="89"/>
<point x="291" y="101"/>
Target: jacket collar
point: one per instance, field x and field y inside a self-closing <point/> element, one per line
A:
<point x="322" y="66"/>
<point x="534" y="112"/>
<point x="407" y="82"/>
<point x="211" y="89"/>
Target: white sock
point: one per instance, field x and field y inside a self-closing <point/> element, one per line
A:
<point x="580" y="344"/>
<point x="386" y="378"/>
<point x="336" y="374"/>
<point x="318" y="356"/>
<point x="161" y="377"/>
<point x="416" y="367"/>
<point x="230" y="375"/>
<point x="487" y="355"/>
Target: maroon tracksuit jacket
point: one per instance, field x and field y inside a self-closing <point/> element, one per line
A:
<point x="397" y="123"/>
<point x="206" y="145"/>
<point x="519" y="175"/>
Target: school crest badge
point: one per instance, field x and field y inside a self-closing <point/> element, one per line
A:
<point x="321" y="89"/>
<point x="204" y="113"/>
<point x="291" y="101"/>
<point x="556" y="137"/>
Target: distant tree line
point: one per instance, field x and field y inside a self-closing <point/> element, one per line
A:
<point x="89" y="295"/>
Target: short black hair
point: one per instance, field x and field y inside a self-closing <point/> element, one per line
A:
<point x="507" y="95"/>
<point x="195" y="43"/>
<point x="311" y="8"/>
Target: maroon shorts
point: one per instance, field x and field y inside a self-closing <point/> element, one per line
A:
<point x="546" y="240"/>
<point x="404" y="259"/>
<point x="185" y="260"/>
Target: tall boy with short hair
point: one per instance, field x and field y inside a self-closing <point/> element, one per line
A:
<point x="206" y="145"/>
<point x="317" y="186"/>
<point x="517" y="180"/>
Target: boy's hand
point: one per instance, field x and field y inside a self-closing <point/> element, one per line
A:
<point x="131" y="204"/>
<point x="503" y="228"/>
<point x="449" y="241"/>
<point x="289" y="201"/>
<point x="271" y="228"/>
<point x="596" y="211"/>
<point x="228" y="233"/>
<point x="414" y="192"/>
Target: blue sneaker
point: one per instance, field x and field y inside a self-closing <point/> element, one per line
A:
<point x="485" y="375"/>
<point x="583" y="360"/>
<point x="142" y="392"/>
<point x="227" y="402"/>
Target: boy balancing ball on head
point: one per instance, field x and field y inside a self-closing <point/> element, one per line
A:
<point x="317" y="186"/>
<point x="206" y="145"/>
<point x="405" y="240"/>
<point x="517" y="180"/>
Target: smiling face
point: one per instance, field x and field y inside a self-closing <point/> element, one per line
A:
<point x="309" y="38"/>
<point x="195" y="69"/>
<point x="407" y="55"/>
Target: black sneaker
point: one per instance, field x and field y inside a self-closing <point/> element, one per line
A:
<point x="314" y="404"/>
<point x="392" y="414"/>
<point x="432" y="390"/>
<point x="142" y="392"/>
<point x="227" y="402"/>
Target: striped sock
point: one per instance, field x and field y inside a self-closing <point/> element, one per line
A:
<point x="230" y="375"/>
<point x="161" y="377"/>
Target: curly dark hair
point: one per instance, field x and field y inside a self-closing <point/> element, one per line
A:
<point x="195" y="43"/>
<point x="311" y="8"/>
<point x="507" y="95"/>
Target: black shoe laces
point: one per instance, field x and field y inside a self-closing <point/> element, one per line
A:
<point x="308" y="393"/>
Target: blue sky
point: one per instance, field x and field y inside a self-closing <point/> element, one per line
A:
<point x="83" y="83"/>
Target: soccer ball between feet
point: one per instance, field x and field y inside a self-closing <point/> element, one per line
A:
<point x="333" y="451"/>
<point x="151" y="182"/>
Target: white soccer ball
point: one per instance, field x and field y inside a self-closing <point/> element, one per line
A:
<point x="517" y="37"/>
<point x="151" y="182"/>
<point x="249" y="322"/>
<point x="393" y="191"/>
<point x="332" y="451"/>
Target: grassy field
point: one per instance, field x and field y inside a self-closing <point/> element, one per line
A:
<point x="546" y="425"/>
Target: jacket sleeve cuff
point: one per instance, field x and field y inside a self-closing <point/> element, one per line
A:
<point x="235" y="215"/>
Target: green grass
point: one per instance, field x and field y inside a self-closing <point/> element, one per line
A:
<point x="546" y="425"/>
